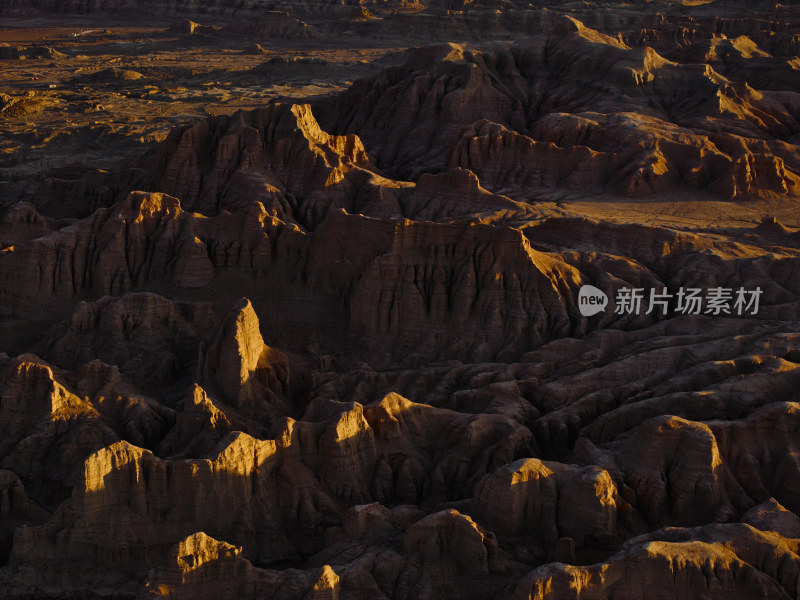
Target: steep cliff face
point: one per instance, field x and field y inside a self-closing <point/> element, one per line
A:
<point x="410" y="288"/>
<point x="250" y="375"/>
<point x="53" y="419"/>
<point x="276" y="155"/>
<point x="552" y="501"/>
<point x="144" y="238"/>
<point x="485" y="283"/>
<point x="501" y="294"/>
<point x="279" y="149"/>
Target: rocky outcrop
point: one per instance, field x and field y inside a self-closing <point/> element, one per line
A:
<point x="504" y="159"/>
<point x="339" y="349"/>
<point x="203" y="422"/>
<point x="442" y="88"/>
<point x="452" y="537"/>
<point x="143" y="239"/>
<point x="274" y="489"/>
<point x="771" y="516"/>
<point x="200" y="566"/>
<point x="631" y="129"/>
<point x="277" y="155"/>
<point x="54" y="419"/>
<point x="552" y="501"/>
<point x="717" y="561"/>
<point x="189" y="27"/>
<point x="208" y="164"/>
<point x="466" y="271"/>
<point x="503" y="295"/>
<point x="148" y="337"/>
<point x="250" y="375"/>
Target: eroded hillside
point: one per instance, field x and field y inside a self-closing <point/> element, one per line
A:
<point x="305" y="317"/>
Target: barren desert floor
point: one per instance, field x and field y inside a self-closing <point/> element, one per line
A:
<point x="443" y="300"/>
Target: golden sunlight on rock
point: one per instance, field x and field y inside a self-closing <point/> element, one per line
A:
<point x="399" y="300"/>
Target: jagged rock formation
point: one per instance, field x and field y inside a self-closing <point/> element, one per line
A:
<point x="338" y="349"/>
<point x="715" y="561"/>
<point x="552" y="501"/>
<point x="336" y="454"/>
<point x="162" y="244"/>
<point x="250" y="375"/>
<point x="510" y="114"/>
<point x="147" y="337"/>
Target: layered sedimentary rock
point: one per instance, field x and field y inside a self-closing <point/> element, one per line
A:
<point x="500" y="293"/>
<point x="532" y="131"/>
<point x="337" y="349"/>
<point x="716" y="561"/>
<point x="336" y="454"/>
<point x="553" y="501"/>
<point x="250" y="375"/>
<point x="147" y="336"/>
